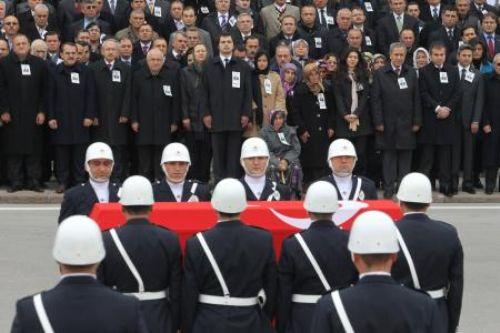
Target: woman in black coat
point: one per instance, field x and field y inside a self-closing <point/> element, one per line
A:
<point x="491" y="128"/>
<point x="313" y="113"/>
<point x="352" y="119"/>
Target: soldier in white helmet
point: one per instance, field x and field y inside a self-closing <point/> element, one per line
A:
<point x="175" y="162"/>
<point x="144" y="260"/>
<point x="431" y="257"/>
<point x="98" y="189"/>
<point x="342" y="160"/>
<point x="312" y="262"/>
<point x="78" y="303"/>
<point x="229" y="271"/>
<point x="377" y="303"/>
<point x="254" y="159"/>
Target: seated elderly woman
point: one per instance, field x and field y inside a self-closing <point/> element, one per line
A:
<point x="300" y="51"/>
<point x="284" y="150"/>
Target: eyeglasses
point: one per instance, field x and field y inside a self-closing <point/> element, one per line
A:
<point x="11" y="23"/>
<point x="497" y="64"/>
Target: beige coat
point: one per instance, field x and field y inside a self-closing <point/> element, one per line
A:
<point x="270" y="19"/>
<point x="274" y="100"/>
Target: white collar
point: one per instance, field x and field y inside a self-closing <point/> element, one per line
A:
<point x="99" y="185"/>
<point x="413" y="213"/>
<point x="280" y="8"/>
<point x="222" y="57"/>
<point x="148" y="44"/>
<point x="77" y="274"/>
<point x="378" y="273"/>
<point x="438" y="6"/>
<point x="255" y="180"/>
<point x="112" y="63"/>
<point x="175" y="185"/>
<point x="402" y="15"/>
<point x="220" y="15"/>
<point x="460" y="67"/>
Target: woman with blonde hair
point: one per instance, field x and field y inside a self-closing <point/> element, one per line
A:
<point x="313" y="113"/>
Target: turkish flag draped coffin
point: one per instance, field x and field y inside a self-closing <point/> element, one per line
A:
<point x="281" y="218"/>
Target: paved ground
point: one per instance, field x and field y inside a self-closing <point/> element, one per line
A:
<point x="27" y="265"/>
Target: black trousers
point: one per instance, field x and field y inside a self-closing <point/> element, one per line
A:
<point x="491" y="177"/>
<point x="149" y="158"/>
<point x="120" y="168"/>
<point x="200" y="149"/>
<point x="361" y="145"/>
<point x="462" y="155"/>
<point x="70" y="160"/>
<point x="443" y="163"/>
<point x="396" y="164"/>
<point x="226" y="151"/>
<point x="312" y="174"/>
<point x="20" y="165"/>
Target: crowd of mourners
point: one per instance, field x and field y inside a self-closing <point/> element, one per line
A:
<point x="414" y="86"/>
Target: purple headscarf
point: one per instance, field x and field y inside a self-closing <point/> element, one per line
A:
<point x="287" y="86"/>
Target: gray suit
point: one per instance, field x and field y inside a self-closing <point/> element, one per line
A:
<point x="204" y="38"/>
<point x="271" y="19"/>
<point x="470" y="111"/>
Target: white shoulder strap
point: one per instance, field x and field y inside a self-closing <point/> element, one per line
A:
<point x="193" y="188"/>
<point x="313" y="261"/>
<point x="344" y="319"/>
<point x="127" y="259"/>
<point x="42" y="315"/>
<point x="409" y="260"/>
<point x="358" y="189"/>
<point x="212" y="261"/>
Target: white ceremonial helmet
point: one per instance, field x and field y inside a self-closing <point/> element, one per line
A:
<point x="97" y="151"/>
<point x="78" y="242"/>
<point x="254" y="147"/>
<point x="175" y="152"/>
<point x="341" y="147"/>
<point x="321" y="197"/>
<point x="373" y="232"/>
<point x="136" y="191"/>
<point x="229" y="196"/>
<point x="415" y="187"/>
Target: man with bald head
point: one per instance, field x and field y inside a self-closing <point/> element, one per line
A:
<point x="336" y="38"/>
<point x="155" y="110"/>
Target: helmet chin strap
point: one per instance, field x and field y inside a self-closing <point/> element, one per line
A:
<point x="98" y="180"/>
<point x="254" y="175"/>
<point x="342" y="174"/>
<point x="174" y="181"/>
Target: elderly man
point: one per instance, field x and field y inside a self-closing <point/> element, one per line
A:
<point x="39" y="49"/>
<point x="342" y="159"/>
<point x="22" y="82"/>
<point x="38" y="28"/>
<point x="10" y="29"/>
<point x="80" y="199"/>
<point x="287" y="35"/>
<point x="175" y="162"/>
<point x="179" y="48"/>
<point x="244" y="29"/>
<point x="90" y="13"/>
<point x="189" y="19"/>
<point x="136" y="20"/>
<point x="272" y="15"/>
<point x="155" y="112"/>
<point x="336" y="38"/>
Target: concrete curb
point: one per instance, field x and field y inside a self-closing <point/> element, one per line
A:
<point x="50" y="197"/>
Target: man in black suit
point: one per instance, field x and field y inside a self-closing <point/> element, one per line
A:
<point x="243" y="29"/>
<point x="439" y="85"/>
<point x="369" y="305"/>
<point x="226" y="106"/>
<point x="466" y="17"/>
<point x="27" y="17"/>
<point x="175" y="162"/>
<point x="80" y="199"/>
<point x="40" y="24"/>
<point x="336" y="38"/>
<point x="287" y="35"/>
<point x="390" y="26"/>
<point x="179" y="48"/>
<point x="480" y="7"/>
<point x="311" y="30"/>
<point x="342" y="158"/>
<point x="447" y="33"/>
<point x="233" y="299"/>
<point x="78" y="250"/>
<point x="359" y="22"/>
<point x="220" y="21"/>
<point x="118" y="9"/>
<point x="144" y="44"/>
<point x="489" y="35"/>
<point x="431" y="257"/>
<point x="325" y="14"/>
<point x="431" y="12"/>
<point x="90" y="15"/>
<point x="468" y="120"/>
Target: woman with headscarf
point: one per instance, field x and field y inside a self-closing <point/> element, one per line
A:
<point x="480" y="56"/>
<point x="352" y="119"/>
<point x="313" y="113"/>
<point x="268" y="94"/>
<point x="197" y="136"/>
<point x="421" y="58"/>
<point x="288" y="76"/>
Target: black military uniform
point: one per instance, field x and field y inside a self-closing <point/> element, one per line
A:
<point x="436" y="255"/>
<point x="80" y="199"/>
<point x="80" y="304"/>
<point x="155" y="255"/>
<point x="300" y="286"/>
<point x="272" y="191"/>
<point x="246" y="260"/>
<point x="192" y="191"/>
<point x="362" y="188"/>
<point x="378" y="304"/>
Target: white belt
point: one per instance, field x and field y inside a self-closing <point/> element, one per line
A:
<point x="228" y="300"/>
<point x="306" y="299"/>
<point x="149" y="295"/>
<point x="435" y="294"/>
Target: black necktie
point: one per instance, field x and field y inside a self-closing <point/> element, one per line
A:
<point x="462" y="74"/>
<point x="323" y="18"/>
<point x="226" y="62"/>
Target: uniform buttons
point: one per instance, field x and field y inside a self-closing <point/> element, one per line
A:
<point x="318" y="115"/>
<point x="320" y="128"/>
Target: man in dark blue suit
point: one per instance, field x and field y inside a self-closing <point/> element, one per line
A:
<point x="78" y="303"/>
<point x="432" y="256"/>
<point x="80" y="199"/>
